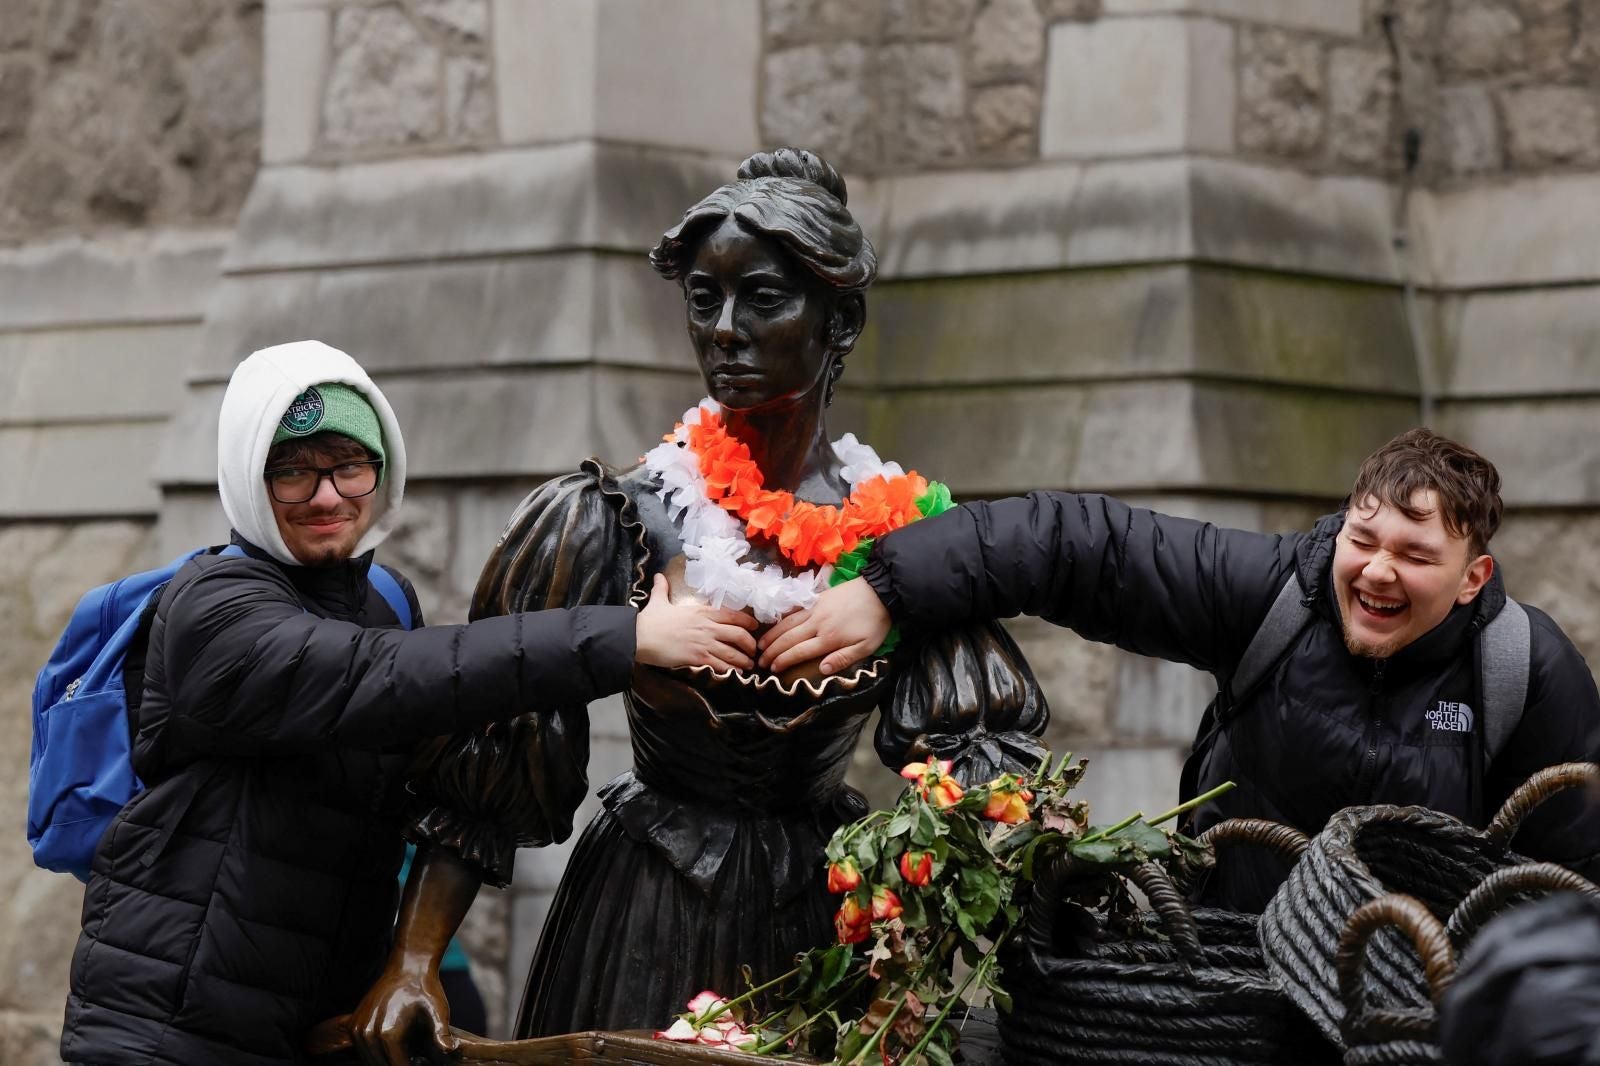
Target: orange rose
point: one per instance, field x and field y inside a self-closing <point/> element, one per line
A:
<point x="843" y="877"/>
<point x="944" y="791"/>
<point x="853" y="923"/>
<point x="885" y="905"/>
<point x="916" y="867"/>
<point x="1008" y="805"/>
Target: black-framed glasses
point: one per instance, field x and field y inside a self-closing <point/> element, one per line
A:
<point x="297" y="484"/>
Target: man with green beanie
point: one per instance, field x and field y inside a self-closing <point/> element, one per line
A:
<point x="250" y="890"/>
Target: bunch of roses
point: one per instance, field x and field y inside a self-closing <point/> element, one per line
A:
<point x="912" y="863"/>
<point x="943" y="872"/>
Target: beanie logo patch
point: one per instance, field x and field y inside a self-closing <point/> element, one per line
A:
<point x="305" y="414"/>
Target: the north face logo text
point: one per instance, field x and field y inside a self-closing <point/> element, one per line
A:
<point x="1451" y="717"/>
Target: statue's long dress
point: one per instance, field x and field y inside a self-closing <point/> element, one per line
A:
<point x="708" y="855"/>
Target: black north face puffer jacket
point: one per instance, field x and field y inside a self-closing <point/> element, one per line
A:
<point x="250" y="891"/>
<point x="1325" y="730"/>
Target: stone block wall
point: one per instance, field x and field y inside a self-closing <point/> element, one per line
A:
<point x="403" y="75"/>
<point x="126" y="113"/>
<point x="1491" y="86"/>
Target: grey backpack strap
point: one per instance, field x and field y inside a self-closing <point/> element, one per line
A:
<point x="1507" y="646"/>
<point x="1285" y="619"/>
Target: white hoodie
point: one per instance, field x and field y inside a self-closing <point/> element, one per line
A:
<point x="261" y="389"/>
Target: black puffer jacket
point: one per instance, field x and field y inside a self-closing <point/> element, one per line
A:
<point x="250" y="891"/>
<point x="1325" y="729"/>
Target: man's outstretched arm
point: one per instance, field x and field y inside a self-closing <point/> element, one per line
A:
<point x="1150" y="583"/>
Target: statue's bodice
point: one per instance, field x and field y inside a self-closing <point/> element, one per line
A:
<point x="751" y="741"/>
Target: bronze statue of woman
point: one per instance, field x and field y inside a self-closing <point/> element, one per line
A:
<point x="707" y="856"/>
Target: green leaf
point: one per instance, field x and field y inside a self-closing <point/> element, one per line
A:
<point x="1147" y="838"/>
<point x="851" y="1041"/>
<point x="936" y="1054"/>
<point x="915" y="914"/>
<point x="1002" y="998"/>
<point x="835" y="965"/>
<point x="866" y="851"/>
<point x="900" y="824"/>
<point x="980" y="893"/>
<point x="1013" y="837"/>
<point x="928" y="828"/>
<point x="1105" y="852"/>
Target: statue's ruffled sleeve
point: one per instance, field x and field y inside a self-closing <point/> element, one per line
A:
<point x="484" y="793"/>
<point x="965" y="694"/>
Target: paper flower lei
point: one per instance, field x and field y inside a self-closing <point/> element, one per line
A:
<point x="714" y="489"/>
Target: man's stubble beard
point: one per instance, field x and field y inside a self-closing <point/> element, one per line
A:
<point x="1363" y="650"/>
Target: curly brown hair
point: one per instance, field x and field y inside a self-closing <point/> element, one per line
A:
<point x="1466" y="484"/>
<point x="330" y="446"/>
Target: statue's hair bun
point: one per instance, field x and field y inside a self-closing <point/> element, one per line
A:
<point x="795" y="163"/>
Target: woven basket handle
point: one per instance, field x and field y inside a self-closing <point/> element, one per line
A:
<point x="1412" y="918"/>
<point x="1045" y="900"/>
<point x="1286" y="840"/>
<point x="1168" y="903"/>
<point x="1534" y="791"/>
<point x="1494" y="891"/>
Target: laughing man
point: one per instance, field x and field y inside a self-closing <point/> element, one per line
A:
<point x="1375" y="690"/>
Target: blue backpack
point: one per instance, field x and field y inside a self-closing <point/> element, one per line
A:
<point x="80" y="769"/>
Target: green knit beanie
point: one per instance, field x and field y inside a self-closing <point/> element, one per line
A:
<point x="332" y="408"/>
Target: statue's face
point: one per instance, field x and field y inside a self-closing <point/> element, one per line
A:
<point x="758" y="319"/>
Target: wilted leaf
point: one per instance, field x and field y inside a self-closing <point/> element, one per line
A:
<point x="881" y="952"/>
<point x="1103" y="851"/>
<point x="1148" y="839"/>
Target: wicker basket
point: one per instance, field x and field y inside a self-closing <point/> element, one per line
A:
<point x="1083" y="993"/>
<point x="1367" y="852"/>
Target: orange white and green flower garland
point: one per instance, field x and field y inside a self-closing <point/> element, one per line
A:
<point x="715" y="490"/>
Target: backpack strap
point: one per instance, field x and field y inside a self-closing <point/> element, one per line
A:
<point x="1507" y="650"/>
<point x="389" y="588"/>
<point x="1285" y="619"/>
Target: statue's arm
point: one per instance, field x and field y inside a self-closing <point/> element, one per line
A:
<point x="965" y="694"/>
<point x="408" y="995"/>
<point x="483" y="793"/>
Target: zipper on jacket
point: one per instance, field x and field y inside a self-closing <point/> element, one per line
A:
<point x="1369" y="763"/>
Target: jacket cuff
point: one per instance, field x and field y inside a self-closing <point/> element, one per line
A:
<point x="876" y="574"/>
